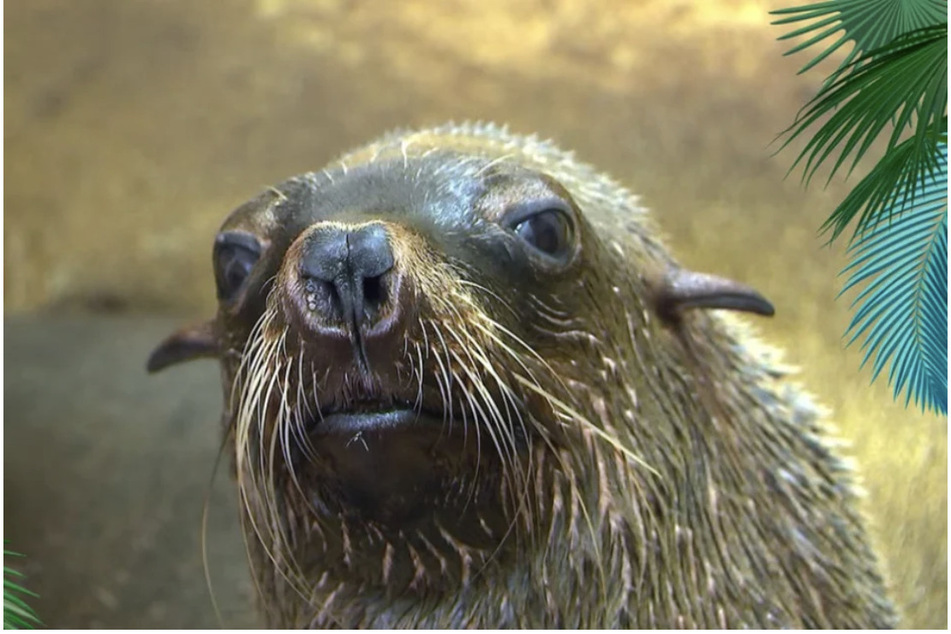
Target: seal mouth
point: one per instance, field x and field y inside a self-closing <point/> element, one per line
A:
<point x="387" y="462"/>
<point x="366" y="417"/>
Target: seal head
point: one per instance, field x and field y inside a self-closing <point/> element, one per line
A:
<point x="466" y="386"/>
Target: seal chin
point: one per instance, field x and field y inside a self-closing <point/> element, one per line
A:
<point x="388" y="466"/>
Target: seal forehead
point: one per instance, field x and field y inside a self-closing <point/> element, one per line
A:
<point x="477" y="142"/>
<point x="612" y="209"/>
<point x="433" y="189"/>
<point x="436" y="176"/>
<point x="424" y="190"/>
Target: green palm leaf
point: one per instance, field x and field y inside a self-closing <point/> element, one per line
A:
<point x="891" y="87"/>
<point x="889" y="186"/>
<point x="869" y="23"/>
<point x="903" y="311"/>
<point x="16" y="613"/>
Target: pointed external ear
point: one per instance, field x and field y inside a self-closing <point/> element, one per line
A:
<point x="682" y="290"/>
<point x="190" y="342"/>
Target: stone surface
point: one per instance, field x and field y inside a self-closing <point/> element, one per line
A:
<point x="106" y="473"/>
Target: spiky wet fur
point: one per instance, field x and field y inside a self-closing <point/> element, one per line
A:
<point x="674" y="476"/>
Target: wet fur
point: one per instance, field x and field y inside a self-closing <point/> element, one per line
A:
<point x="649" y="473"/>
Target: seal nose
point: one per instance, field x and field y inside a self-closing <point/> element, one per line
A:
<point x="346" y="273"/>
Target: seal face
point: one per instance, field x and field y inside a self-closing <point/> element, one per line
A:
<point x="466" y="386"/>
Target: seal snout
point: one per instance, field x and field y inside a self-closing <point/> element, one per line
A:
<point x="343" y="270"/>
<point x="348" y="283"/>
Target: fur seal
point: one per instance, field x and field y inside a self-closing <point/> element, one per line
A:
<point x="467" y="386"/>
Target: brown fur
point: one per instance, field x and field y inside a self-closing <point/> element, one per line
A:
<point x="622" y="467"/>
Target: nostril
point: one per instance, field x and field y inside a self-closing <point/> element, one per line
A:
<point x="374" y="291"/>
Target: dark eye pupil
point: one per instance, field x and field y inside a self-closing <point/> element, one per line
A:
<point x="238" y="264"/>
<point x="233" y="264"/>
<point x="546" y="231"/>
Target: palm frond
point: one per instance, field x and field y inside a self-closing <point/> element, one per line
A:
<point x="891" y="185"/>
<point x="870" y="24"/>
<point x="892" y="85"/>
<point x="17" y="614"/>
<point x="903" y="312"/>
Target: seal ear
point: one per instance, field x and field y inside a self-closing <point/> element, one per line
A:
<point x="191" y="342"/>
<point x="682" y="290"/>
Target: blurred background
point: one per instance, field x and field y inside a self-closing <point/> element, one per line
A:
<point x="132" y="127"/>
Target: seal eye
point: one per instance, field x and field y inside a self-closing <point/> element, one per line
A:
<point x="547" y="230"/>
<point x="235" y="256"/>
